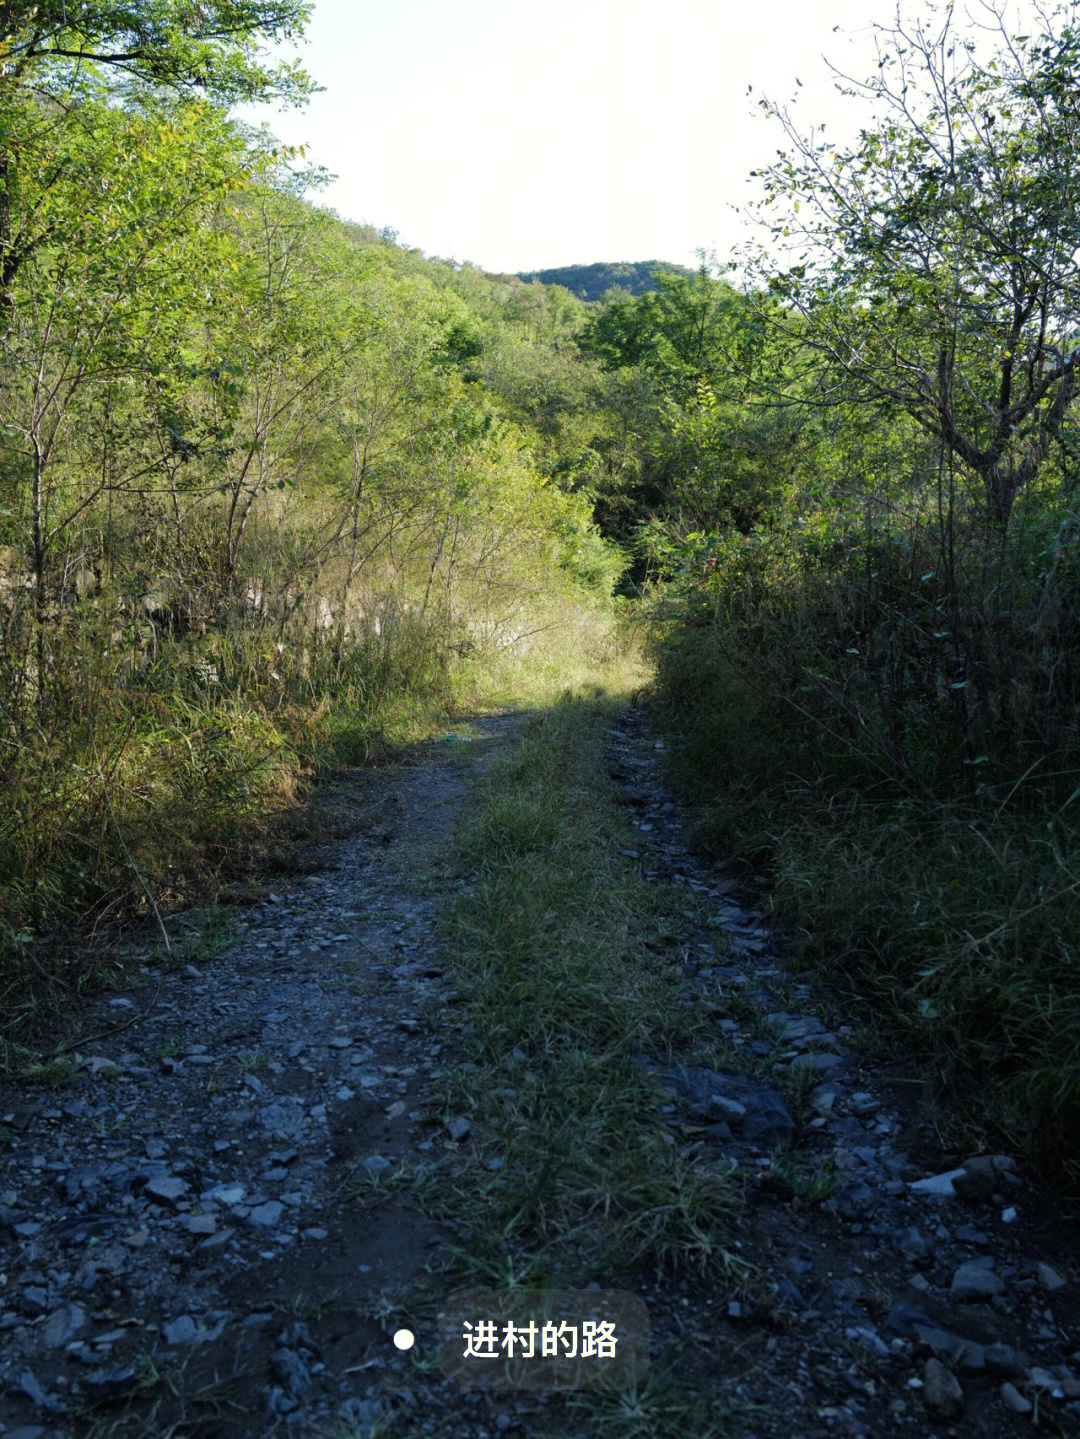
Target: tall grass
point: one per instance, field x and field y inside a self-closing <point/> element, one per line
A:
<point x="154" y="763"/>
<point x="895" y="764"/>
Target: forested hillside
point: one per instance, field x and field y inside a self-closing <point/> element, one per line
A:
<point x="592" y="282"/>
<point x="271" y="484"/>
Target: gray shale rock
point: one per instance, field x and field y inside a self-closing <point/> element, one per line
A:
<point x="265" y="1216"/>
<point x="794" y="1030"/>
<point x="902" y="1319"/>
<point x="868" y="1339"/>
<point x="964" y="1353"/>
<point x="976" y="1281"/>
<point x="180" y="1331"/>
<point x="62" y="1325"/>
<point x="360" y="1412"/>
<point x="166" y="1189"/>
<point x="1049" y="1278"/>
<point x="1014" y="1400"/>
<point x="818" y="1063"/>
<point x="942" y="1393"/>
<point x="280" y="1405"/>
<point x="1004" y="1359"/>
<point x="854" y="1201"/>
<point x="110" y="1384"/>
<point x="941" y="1186"/>
<point x="291" y="1371"/>
<point x="284" y="1118"/>
<point x="981" y="1177"/>
<point x="200" y="1224"/>
<point x="824" y="1099"/>
<point x="729" y="1110"/>
<point x="915" y="1247"/>
<point x="27" y="1384"/>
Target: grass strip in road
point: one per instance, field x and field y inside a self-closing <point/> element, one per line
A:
<point x="564" y="957"/>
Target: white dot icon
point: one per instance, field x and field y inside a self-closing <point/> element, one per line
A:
<point x="404" y="1339"/>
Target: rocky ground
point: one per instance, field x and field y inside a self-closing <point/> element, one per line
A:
<point x="907" y="1290"/>
<point x="199" y="1232"/>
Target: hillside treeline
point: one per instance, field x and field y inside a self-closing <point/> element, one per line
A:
<point x="592" y="282"/>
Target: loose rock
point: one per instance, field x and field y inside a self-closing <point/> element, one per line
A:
<point x="915" y="1248"/>
<point x="941" y="1185"/>
<point x="1049" y="1278"/>
<point x="64" y="1325"/>
<point x="265" y="1216"/>
<point x="823" y="1063"/>
<point x="290" y="1369"/>
<point x="983" y="1176"/>
<point x="1014" y="1400"/>
<point x="166" y="1190"/>
<point x="976" y="1281"/>
<point x="942" y="1393"/>
<point x="180" y="1331"/>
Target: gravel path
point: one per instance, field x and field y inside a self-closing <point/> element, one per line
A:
<point x="176" y="1212"/>
<point x="178" y="1253"/>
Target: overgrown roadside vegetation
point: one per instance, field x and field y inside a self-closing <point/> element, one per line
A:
<point x="204" y="788"/>
<point x="273" y="489"/>
<point x="949" y="925"/>
<point x="867" y="561"/>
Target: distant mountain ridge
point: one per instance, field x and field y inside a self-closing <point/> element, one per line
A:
<point x="591" y="282"/>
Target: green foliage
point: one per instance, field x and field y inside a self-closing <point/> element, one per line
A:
<point x="936" y="889"/>
<point x="209" y="48"/>
<point x="713" y="448"/>
<point x="935" y="260"/>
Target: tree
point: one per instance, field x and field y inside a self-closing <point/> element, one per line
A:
<point x="104" y="307"/>
<point x="206" y="46"/>
<point x="58" y="57"/>
<point x="717" y="448"/>
<point x="937" y="258"/>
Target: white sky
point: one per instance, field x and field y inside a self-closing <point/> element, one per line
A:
<point x="523" y="134"/>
